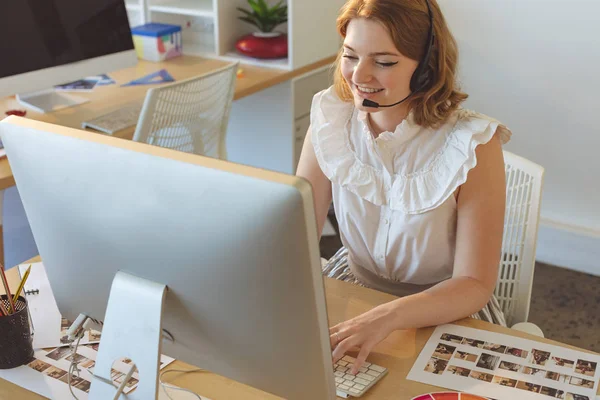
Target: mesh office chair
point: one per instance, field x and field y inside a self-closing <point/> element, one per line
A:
<point x="190" y="115"/>
<point x="524" y="180"/>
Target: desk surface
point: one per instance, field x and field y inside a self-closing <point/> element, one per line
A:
<point x="105" y="99"/>
<point x="397" y="353"/>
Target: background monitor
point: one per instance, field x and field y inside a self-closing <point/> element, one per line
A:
<point x="236" y="246"/>
<point x="50" y="42"/>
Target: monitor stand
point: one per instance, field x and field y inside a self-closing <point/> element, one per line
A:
<point x="49" y="100"/>
<point x="132" y="329"/>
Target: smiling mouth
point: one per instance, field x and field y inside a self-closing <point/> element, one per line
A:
<point x="367" y="90"/>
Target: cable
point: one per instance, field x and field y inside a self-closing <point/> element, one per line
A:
<point x="167" y="385"/>
<point x="73" y="365"/>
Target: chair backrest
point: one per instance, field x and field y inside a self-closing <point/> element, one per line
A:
<point x="191" y="115"/>
<point x="524" y="180"/>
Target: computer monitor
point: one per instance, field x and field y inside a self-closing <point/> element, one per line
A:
<point x="236" y="247"/>
<point x="50" y="42"/>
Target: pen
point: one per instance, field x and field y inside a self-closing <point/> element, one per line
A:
<point x="7" y="290"/>
<point x="22" y="284"/>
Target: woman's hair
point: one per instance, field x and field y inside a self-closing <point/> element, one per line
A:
<point x="408" y="24"/>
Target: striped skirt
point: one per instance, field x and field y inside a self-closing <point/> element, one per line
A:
<point x="337" y="267"/>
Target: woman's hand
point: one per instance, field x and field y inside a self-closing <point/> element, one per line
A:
<point x="363" y="333"/>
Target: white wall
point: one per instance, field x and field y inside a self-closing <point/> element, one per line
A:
<point x="534" y="65"/>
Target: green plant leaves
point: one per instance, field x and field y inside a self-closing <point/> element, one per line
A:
<point x="262" y="16"/>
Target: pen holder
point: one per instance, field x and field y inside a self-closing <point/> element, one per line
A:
<point x="16" y="343"/>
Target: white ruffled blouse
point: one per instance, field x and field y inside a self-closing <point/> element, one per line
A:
<point x="393" y="195"/>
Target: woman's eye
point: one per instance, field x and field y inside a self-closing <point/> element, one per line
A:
<point x="349" y="57"/>
<point x="387" y="64"/>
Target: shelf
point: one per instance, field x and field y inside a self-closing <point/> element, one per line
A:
<point x="200" y="50"/>
<point x="281" y="63"/>
<point x="197" y="8"/>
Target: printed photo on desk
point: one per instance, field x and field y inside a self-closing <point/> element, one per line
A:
<point x="47" y="374"/>
<point x="505" y="367"/>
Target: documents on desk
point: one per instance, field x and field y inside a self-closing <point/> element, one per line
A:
<point x="47" y="374"/>
<point x="505" y="367"/>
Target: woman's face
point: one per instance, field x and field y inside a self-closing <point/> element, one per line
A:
<point x="372" y="65"/>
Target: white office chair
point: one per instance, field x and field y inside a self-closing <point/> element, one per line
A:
<point x="524" y="180"/>
<point x="190" y="115"/>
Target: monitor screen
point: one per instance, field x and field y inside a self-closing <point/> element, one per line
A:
<point x="38" y="34"/>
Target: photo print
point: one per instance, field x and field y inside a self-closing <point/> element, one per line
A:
<point x="59" y="353"/>
<point x="534" y="371"/>
<point x="443" y="351"/>
<point x="513" y="351"/>
<point x="55" y="372"/>
<point x="453" y="369"/>
<point x="562" y="362"/>
<point x="502" y="381"/>
<point x="473" y="343"/>
<point x="39" y="365"/>
<point x="585" y="367"/>
<point x="451" y="338"/>
<point x="509" y="366"/>
<point x="481" y="376"/>
<point x="488" y="361"/>
<point x="555" y="376"/>
<point x="539" y="357"/>
<point x="584" y="383"/>
<point x="573" y="396"/>
<point x="498" y="348"/>
<point x="462" y="355"/>
<point x="548" y="391"/>
<point x="436" y="365"/>
<point x="529" y="387"/>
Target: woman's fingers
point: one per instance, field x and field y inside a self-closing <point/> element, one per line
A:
<point x="361" y="358"/>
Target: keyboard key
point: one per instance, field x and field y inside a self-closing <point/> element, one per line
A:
<point x="341" y="369"/>
<point x="359" y="386"/>
<point x="373" y="373"/>
<point x="339" y="380"/>
<point x="343" y="387"/>
<point x="361" y="381"/>
<point x="342" y="363"/>
<point x="349" y="383"/>
<point x="350" y="377"/>
<point x="366" y="377"/>
<point x="348" y="359"/>
<point x="338" y="373"/>
<point x="355" y="391"/>
<point x="377" y="368"/>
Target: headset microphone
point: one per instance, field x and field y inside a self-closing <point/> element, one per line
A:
<point x="371" y="103"/>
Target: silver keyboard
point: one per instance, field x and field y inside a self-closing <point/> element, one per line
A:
<point x="347" y="384"/>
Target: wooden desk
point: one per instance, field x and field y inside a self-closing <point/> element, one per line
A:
<point x="105" y="99"/>
<point x="397" y="353"/>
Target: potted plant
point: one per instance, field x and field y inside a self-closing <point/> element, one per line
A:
<point x="265" y="43"/>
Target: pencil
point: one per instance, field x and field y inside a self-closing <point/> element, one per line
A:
<point x="22" y="284"/>
<point x="7" y="290"/>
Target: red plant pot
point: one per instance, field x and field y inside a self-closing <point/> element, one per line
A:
<point x="261" y="45"/>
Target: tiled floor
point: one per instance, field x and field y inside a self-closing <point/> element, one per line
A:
<point x="565" y="304"/>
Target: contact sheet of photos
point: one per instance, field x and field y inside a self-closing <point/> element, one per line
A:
<point x="505" y="367"/>
<point x="48" y="375"/>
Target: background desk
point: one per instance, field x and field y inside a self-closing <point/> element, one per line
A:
<point x="397" y="353"/>
<point x="259" y="85"/>
<point x="267" y="124"/>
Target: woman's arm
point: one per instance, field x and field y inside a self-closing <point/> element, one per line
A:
<point x="308" y="168"/>
<point x="480" y="222"/>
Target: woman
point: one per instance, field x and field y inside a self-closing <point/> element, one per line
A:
<point x="418" y="187"/>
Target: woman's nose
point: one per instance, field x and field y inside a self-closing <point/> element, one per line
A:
<point x="362" y="73"/>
